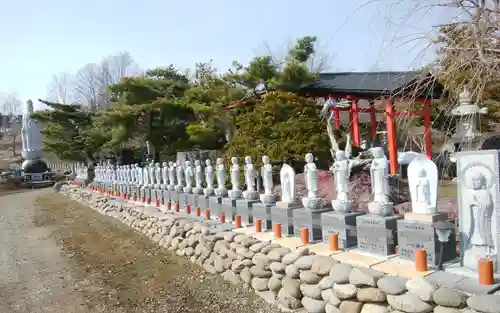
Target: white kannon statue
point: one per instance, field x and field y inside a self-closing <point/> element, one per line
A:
<point x="478" y="201"/>
<point x="188" y="174"/>
<point x="379" y="172"/>
<point x="158" y="176"/>
<point x="180" y="177"/>
<point x="198" y="177"/>
<point x="266" y="172"/>
<point x="209" y="178"/>
<point x="235" y="192"/>
<point x="287" y="180"/>
<point x="30" y="135"/>
<point x="423" y="183"/>
<point x="221" y="190"/>
<point x="171" y="176"/>
<point x="312" y="201"/>
<point x="341" y="173"/>
<point x="250" y="180"/>
<point x="164" y="175"/>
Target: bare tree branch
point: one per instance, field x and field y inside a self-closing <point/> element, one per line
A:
<point x="61" y="88"/>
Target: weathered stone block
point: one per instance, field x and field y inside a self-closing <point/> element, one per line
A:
<point x="310" y="219"/>
<point x="283" y="216"/>
<point x="377" y="234"/>
<point x="262" y="211"/>
<point x="342" y="223"/>
<point x="244" y="208"/>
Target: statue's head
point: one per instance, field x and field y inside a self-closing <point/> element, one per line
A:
<point x="234" y="160"/>
<point x="248" y="159"/>
<point x="309" y="158"/>
<point x="220" y="161"/>
<point x="164" y="164"/>
<point x="170" y="163"/>
<point x="266" y="160"/>
<point x="340" y="155"/>
<point x="208" y="162"/>
<point x="377" y="152"/>
<point x="478" y="180"/>
<point x="422" y="173"/>
<point x="197" y="162"/>
<point x="29" y="106"/>
<point x="157" y="164"/>
<point x="187" y="163"/>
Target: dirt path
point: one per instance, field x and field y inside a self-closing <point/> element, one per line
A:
<point x="59" y="256"/>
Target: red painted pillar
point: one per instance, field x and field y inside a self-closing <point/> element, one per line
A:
<point x="373" y="121"/>
<point x="354" y="121"/>
<point x="427" y="129"/>
<point x="336" y="118"/>
<point x="392" y="145"/>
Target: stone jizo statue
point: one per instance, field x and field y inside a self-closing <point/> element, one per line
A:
<point x="423" y="183"/>
<point x="188" y="174"/>
<point x="171" y="176"/>
<point x="198" y="189"/>
<point x="379" y="172"/>
<point x="235" y="192"/>
<point x="209" y="178"/>
<point x="221" y="190"/>
<point x="158" y="181"/>
<point x="287" y="180"/>
<point x="312" y="201"/>
<point x="164" y="175"/>
<point x="180" y="177"/>
<point x="341" y="173"/>
<point x="266" y="172"/>
<point x="251" y="179"/>
<point x="151" y="174"/>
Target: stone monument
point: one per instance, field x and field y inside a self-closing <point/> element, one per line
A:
<point x="377" y="231"/>
<point x="479" y="206"/>
<point x="228" y="205"/>
<point x="208" y="191"/>
<point x="165" y="192"/>
<point x="189" y="173"/>
<point x="310" y="216"/>
<point x="198" y="176"/>
<point x="416" y="230"/>
<point x="282" y="211"/>
<point x="262" y="210"/>
<point x="221" y="190"/>
<point x="250" y="195"/>
<point x="341" y="220"/>
<point x="172" y="175"/>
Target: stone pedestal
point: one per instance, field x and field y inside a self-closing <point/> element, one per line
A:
<point x="262" y="211"/>
<point x="282" y="213"/>
<point x="244" y="208"/>
<point x="215" y="205"/>
<point x="174" y="196"/>
<point x="377" y="234"/>
<point x="310" y="219"/>
<point x="165" y="196"/>
<point x="182" y="199"/>
<point x="203" y="202"/>
<point x="192" y="199"/>
<point x="342" y="223"/>
<point x="228" y="207"/>
<point x="418" y="234"/>
<point x="155" y="195"/>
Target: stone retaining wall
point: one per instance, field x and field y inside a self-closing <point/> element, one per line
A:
<point x="292" y="279"/>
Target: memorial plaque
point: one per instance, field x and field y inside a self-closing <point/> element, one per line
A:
<point x="244" y="209"/>
<point x="203" y="202"/>
<point x="228" y="207"/>
<point x="215" y="205"/>
<point x="310" y="219"/>
<point x="418" y="235"/>
<point x="192" y="200"/>
<point x="342" y="223"/>
<point x="262" y="211"/>
<point x="284" y="217"/>
<point x="377" y="234"/>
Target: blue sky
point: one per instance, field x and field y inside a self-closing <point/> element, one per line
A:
<point x="41" y="38"/>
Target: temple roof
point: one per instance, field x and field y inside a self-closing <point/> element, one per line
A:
<point x="374" y="83"/>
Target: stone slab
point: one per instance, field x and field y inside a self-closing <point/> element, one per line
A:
<point x="215" y="205"/>
<point x="288" y="242"/>
<point x="377" y="234"/>
<point x="228" y="208"/>
<point x="262" y="211"/>
<point x="192" y="199"/>
<point x="357" y="259"/>
<point x="288" y="205"/>
<point x="462" y="283"/>
<point x="342" y="223"/>
<point x="264" y="236"/>
<point x="244" y="208"/>
<point x="426" y="218"/>
<point x="310" y="219"/>
<point x="421" y="235"/>
<point x="165" y="196"/>
<point x="321" y="248"/>
<point x="203" y="202"/>
<point x="174" y="196"/>
<point x="246" y="230"/>
<point x="400" y="267"/>
<point x="182" y="198"/>
<point x="283" y="216"/>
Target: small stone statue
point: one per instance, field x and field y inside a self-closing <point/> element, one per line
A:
<point x="423" y="182"/>
<point x="250" y="179"/>
<point x="188" y="174"/>
<point x="221" y="190"/>
<point x="312" y="201"/>
<point x="287" y="180"/>
<point x="140" y="180"/>
<point x="164" y="175"/>
<point x="209" y="178"/>
<point x="152" y="178"/>
<point x="198" y="177"/>
<point x="158" y="176"/>
<point x="145" y="176"/>
<point x="235" y="192"/>
<point x="268" y="197"/>
<point x="171" y="176"/>
<point x="341" y="173"/>
<point x="379" y="172"/>
<point x="180" y="177"/>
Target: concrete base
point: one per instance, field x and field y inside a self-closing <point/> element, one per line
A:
<point x="244" y="208"/>
<point x="342" y="223"/>
<point x="310" y="219"/>
<point x="215" y="205"/>
<point x="377" y="234"/>
<point x="192" y="199"/>
<point x="262" y="211"/>
<point x="228" y="208"/>
<point x="283" y="216"/>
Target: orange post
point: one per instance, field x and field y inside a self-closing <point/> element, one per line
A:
<point x="485" y="270"/>
<point x="258" y="226"/>
<point x="135" y="197"/>
<point x="197" y="212"/>
<point x="237" y="221"/>
<point x="334" y="241"/>
<point x="207" y="214"/>
<point x="222" y="218"/>
<point x="177" y="207"/>
<point x="277" y="230"/>
<point x="157" y="203"/>
<point x="391" y="136"/>
<point x="421" y="260"/>
<point x="188" y="209"/>
<point x="169" y="205"/>
<point x="304" y="235"/>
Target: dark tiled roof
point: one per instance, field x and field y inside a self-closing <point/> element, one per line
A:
<point x="372" y="83"/>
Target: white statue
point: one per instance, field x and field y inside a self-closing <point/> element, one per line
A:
<point x="379" y="172"/>
<point x="266" y="172"/>
<point x="180" y="177"/>
<point x="209" y="178"/>
<point x="151" y="174"/>
<point x="188" y="174"/>
<point x="251" y="179"/>
<point x="312" y="201"/>
<point x="423" y="183"/>
<point x="164" y="175"/>
<point x="198" y="177"/>
<point x="171" y="176"/>
<point x="287" y="180"/>
<point x="235" y="192"/>
<point x="140" y="180"/>
<point x="221" y="190"/>
<point x="30" y="135"/>
<point x="145" y="176"/>
<point x="341" y="173"/>
<point x="158" y="176"/>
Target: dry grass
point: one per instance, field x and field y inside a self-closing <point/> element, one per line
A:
<point x="132" y="273"/>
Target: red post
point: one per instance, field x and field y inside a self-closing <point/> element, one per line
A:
<point x="427" y="129"/>
<point x="391" y="137"/>
<point x="188" y="209"/>
<point x="207" y="214"/>
<point x="336" y="118"/>
<point x="237" y="221"/>
<point x="355" y="120"/>
<point x="373" y="121"/>
<point x="197" y="212"/>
